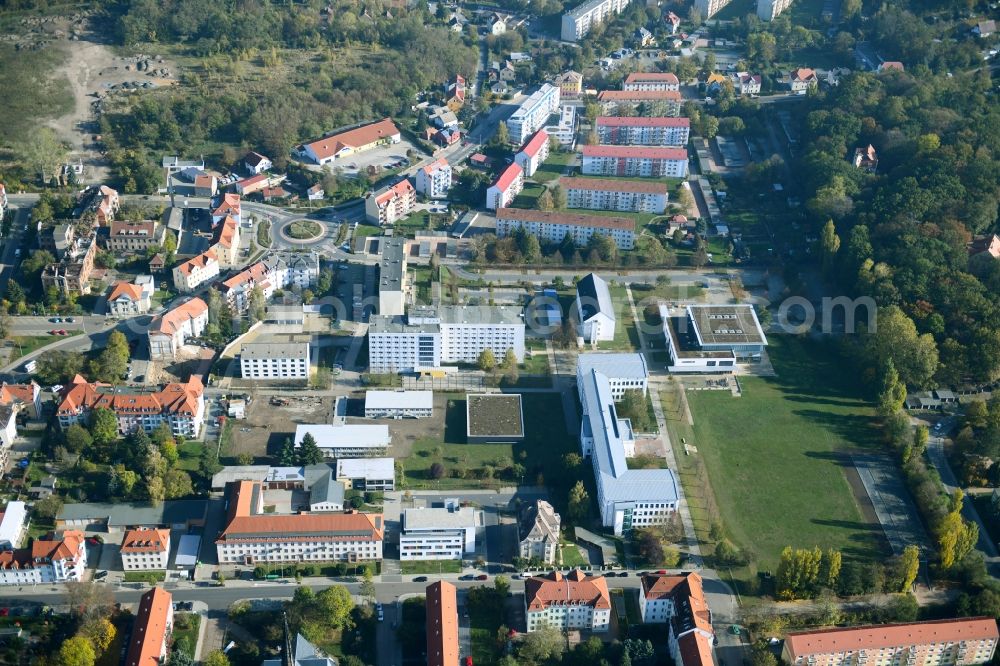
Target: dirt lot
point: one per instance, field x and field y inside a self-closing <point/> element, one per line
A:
<point x="191" y="360"/>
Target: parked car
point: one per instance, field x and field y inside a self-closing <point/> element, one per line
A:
<point x="420" y="579"/>
<point x="379" y="612"/>
<point x="482" y="577"/>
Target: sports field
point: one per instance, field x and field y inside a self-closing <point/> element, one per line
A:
<point x="775" y="456"/>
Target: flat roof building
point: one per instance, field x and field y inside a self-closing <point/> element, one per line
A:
<point x="580" y="20"/>
<point x="532" y="114"/>
<point x="494" y="417"/>
<point x="444" y="533"/>
<point x="275" y="361"/>
<point x="367" y="474"/>
<point x="712" y="338"/>
<point x="347" y="440"/>
<point x="392" y="276"/>
<point x="399" y="404"/>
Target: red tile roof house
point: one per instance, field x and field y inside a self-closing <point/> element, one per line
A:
<point x="535" y="151"/>
<point x="226" y="241"/>
<point x="800" y="80"/>
<point x="179" y="405"/>
<point x="147" y="644"/>
<point x="46" y="560"/>
<point x="391" y="204"/>
<point x="970" y="640"/>
<point x="145" y="549"/>
<point x="230" y="205"/>
<point x="442" y="624"/>
<point x="28" y="395"/>
<point x="253" y="184"/>
<point x="651" y="81"/>
<point x="252" y="536"/>
<point x="189" y="275"/>
<point x="510" y="183"/>
<point x="341" y="145"/>
<point x="570" y="601"/>
<point x="127" y="299"/>
<point x="169" y="331"/>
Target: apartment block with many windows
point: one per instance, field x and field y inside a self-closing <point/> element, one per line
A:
<point x="652" y="81"/>
<point x="566" y="602"/>
<point x="634" y="161"/>
<point x="580" y="20"/>
<point x="623" y="195"/>
<point x="434" y="180"/>
<point x="633" y="131"/>
<point x="275" y="361"/>
<point x="447" y="533"/>
<point x="553" y="227"/>
<point x="532" y="114"/>
<point x="533" y="154"/>
<point x="506" y="188"/>
<point x="391" y="203"/>
<point x="145" y="549"/>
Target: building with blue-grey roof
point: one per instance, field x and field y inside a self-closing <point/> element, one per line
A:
<point x="595" y="309"/>
<point x="627" y="498"/>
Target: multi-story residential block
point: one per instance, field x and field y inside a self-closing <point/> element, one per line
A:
<point x="46" y="560"/>
<point x="252" y="536"/>
<point x="624" y="195"/>
<point x="153" y="625"/>
<point x="709" y="8"/>
<point x="28" y="396"/>
<point x="256" y="163"/>
<point x="430" y="337"/>
<point x="269" y="361"/>
<point x="745" y="83"/>
<point x="638" y="131"/>
<point x="627" y="498"/>
<point x="72" y="274"/>
<point x="392" y="286"/>
<point x="540" y="533"/>
<point x="553" y="227"/>
<point x="661" y="597"/>
<point x="533" y="153"/>
<point x="226" y="241"/>
<point x="130" y="298"/>
<point x="399" y="404"/>
<point x="506" y="188"/>
<point x="712" y="338"/>
<point x="802" y="79"/>
<point x="635" y="161"/>
<point x="145" y="549"/>
<point x="294" y="268"/>
<point x="447" y="533"/>
<point x="344" y="144"/>
<point x="580" y="20"/>
<point x="768" y="10"/>
<point x="595" y="309"/>
<point x="564" y="131"/>
<point x="533" y="113"/>
<point x="103" y="202"/>
<point x="367" y="474"/>
<point x="194" y="272"/>
<point x="952" y="642"/>
<point x="661" y="102"/>
<point x="232" y="205"/>
<point x="390" y="204"/>
<point x="570" y="84"/>
<point x="13" y="525"/>
<point x="279" y="270"/>
<point x="180" y="405"/>
<point x="565" y="602"/>
<point x="346" y="440"/>
<point x="651" y="81"/>
<point x="169" y="332"/>
<point x="441" y="608"/>
<point x="434" y="180"/>
<point x="135" y="236"/>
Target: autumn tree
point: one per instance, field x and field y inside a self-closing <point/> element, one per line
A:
<point x="77" y="651"/>
<point x="579" y="501"/>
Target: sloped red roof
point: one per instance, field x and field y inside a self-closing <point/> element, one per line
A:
<point x="225" y="232"/>
<point x="606" y="185"/>
<point x="146" y="642"/>
<point x="638" y="95"/>
<point x="171" y="322"/>
<point x="359" y="136"/>
<point x="643" y="152"/>
<point x="145" y="541"/>
<point x="442" y="624"/>
<point x="17" y="392"/>
<point x="201" y="261"/>
<point x="535" y="143"/>
<point x="824" y="641"/>
<point x="652" y="77"/>
<point x="176" y="398"/>
<point x="230" y="205"/>
<point x="507" y="178"/>
<point x="122" y="288"/>
<point x="627" y="121"/>
<point x="573" y="589"/>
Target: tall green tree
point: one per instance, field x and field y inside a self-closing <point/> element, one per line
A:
<point x="579" y="501"/>
<point x="892" y="394"/>
<point x="309" y="452"/>
<point x="829" y="244"/>
<point x="487" y="362"/>
<point x="103" y="426"/>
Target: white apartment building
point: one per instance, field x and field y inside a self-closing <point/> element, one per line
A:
<point x="145" y="549"/>
<point x="346" y="440"/>
<point x="634" y="161"/>
<point x="665" y="102"/>
<point x="533" y="113"/>
<point x="637" y="131"/>
<point x="13" y="524"/>
<point x="447" y="533"/>
<point x="768" y="10"/>
<point x="399" y="404"/>
<point x="553" y="227"/>
<point x="434" y="180"/>
<point x="131" y="298"/>
<point x="596" y="310"/>
<point x="624" y="195"/>
<point x="533" y="154"/>
<point x="709" y="8"/>
<point x="745" y="83"/>
<point x="251" y="536"/>
<point x="564" y="131"/>
<point x="506" y="188"/>
<point x="392" y="276"/>
<point x="566" y="602"/>
<point x="195" y="272"/>
<point x="627" y="498"/>
<point x="367" y="474"/>
<point x="651" y="81"/>
<point x="45" y="561"/>
<point x="279" y="270"/>
<point x="430" y="337"/>
<point x="540" y="534"/>
<point x="274" y="360"/>
<point x="577" y="22"/>
<point x="168" y="332"/>
<point x="391" y="203"/>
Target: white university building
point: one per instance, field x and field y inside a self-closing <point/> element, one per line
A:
<point x="533" y="113"/>
<point x="447" y="533"/>
<point x="399" y="404"/>
<point x="270" y="361"/>
<point x="346" y="440"/>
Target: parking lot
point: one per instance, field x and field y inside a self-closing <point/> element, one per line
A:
<point x="382" y="159"/>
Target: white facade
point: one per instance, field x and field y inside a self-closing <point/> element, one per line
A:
<point x="768" y="10"/>
<point x="288" y="549"/>
<point x="506" y="188"/>
<point x="399" y="404"/>
<point x="13" y="523"/>
<point x="434" y="180"/>
<point x="565" y="130"/>
<point x="195" y="272"/>
<point x="551" y="227"/>
<point x="367" y="473"/>
<point x="145" y="550"/>
<point x="573" y="601"/>
<point x="615" y="195"/>
<point x="274" y="361"/>
<point x="533" y="112"/>
<point x="632" y="131"/>
<point x="577" y="22"/>
<point x="596" y="310"/>
<point x="635" y="162"/>
<point x="534" y="153"/>
<point x="651" y="81"/>
<point x="46" y="561"/>
<point x="709" y="8"/>
<point x="569" y="617"/>
<point x="390" y="204"/>
<point x="542" y="539"/>
<point x="655" y="610"/>
<point x="346" y="441"/>
<point x="168" y="332"/>
<point x="439" y="533"/>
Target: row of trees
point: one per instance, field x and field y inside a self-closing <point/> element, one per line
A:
<point x="804" y="573"/>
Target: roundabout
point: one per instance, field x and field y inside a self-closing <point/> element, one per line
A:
<point x="301" y="231"/>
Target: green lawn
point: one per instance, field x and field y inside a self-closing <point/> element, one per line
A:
<point x="186" y="629"/>
<point x="546" y="440"/>
<point x="365" y="230"/>
<point x="775" y="456"/>
<point x="28" y="343"/>
<point x="553" y="167"/>
<point x="431" y="567"/>
<point x="535" y="364"/>
<point x="190" y="455"/>
<point x="571" y="556"/>
<point x="144" y="576"/>
<point x="528" y="198"/>
<point x="626" y="335"/>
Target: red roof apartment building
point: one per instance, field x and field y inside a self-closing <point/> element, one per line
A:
<point x="651" y="81"/>
<point x="571" y="601"/>
<point x="679" y="601"/>
<point x="391" y="204"/>
<point x="637" y="196"/>
<point x="147" y="646"/>
<point x="971" y="640"/>
<point x="666" y="102"/>
<point x="634" y="161"/>
<point x="506" y="188"/>
<point x="634" y="131"/>
<point x="252" y="536"/>
<point x="535" y="151"/>
<point x="442" y="624"/>
<point x="553" y="227"/>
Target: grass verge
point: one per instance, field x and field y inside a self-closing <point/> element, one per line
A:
<point x="431" y="567"/>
